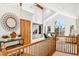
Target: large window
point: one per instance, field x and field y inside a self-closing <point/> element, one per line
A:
<point x="37" y="31"/>
<point x="59" y="27"/>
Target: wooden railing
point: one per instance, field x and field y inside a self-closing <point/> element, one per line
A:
<point x="67" y="44"/>
<point x="78" y="45"/>
<point x="41" y="48"/>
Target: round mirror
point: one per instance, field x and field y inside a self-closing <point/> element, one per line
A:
<point x="11" y="22"/>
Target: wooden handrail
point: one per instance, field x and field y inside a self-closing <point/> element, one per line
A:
<point x="66" y="36"/>
<point x="18" y="48"/>
<point x="68" y="44"/>
<point x="40" y="41"/>
<point x="28" y="45"/>
<point x="6" y="52"/>
<point x="24" y="46"/>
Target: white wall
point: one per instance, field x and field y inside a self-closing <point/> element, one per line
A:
<point x="77" y="25"/>
<point x="4" y="8"/>
<point x="67" y="21"/>
<point x="19" y="12"/>
<point x="35" y="15"/>
<point x="13" y="8"/>
<point x="77" y="18"/>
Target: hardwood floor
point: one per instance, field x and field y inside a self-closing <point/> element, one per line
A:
<point x="62" y="54"/>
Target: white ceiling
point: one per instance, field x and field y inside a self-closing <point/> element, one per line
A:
<point x="31" y="8"/>
<point x="68" y="9"/>
<point x="47" y="13"/>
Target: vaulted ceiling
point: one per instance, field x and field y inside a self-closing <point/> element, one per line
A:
<point x="51" y="9"/>
<point x="68" y="9"/>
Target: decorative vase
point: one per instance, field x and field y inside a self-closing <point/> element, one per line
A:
<point x="13" y="35"/>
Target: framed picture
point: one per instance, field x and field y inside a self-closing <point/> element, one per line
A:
<point x="48" y="29"/>
<point x="37" y="30"/>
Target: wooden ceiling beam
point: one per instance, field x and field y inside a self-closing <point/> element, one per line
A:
<point x="39" y="6"/>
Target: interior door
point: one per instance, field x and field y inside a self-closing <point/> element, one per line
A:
<point x="25" y="31"/>
<point x="22" y="29"/>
